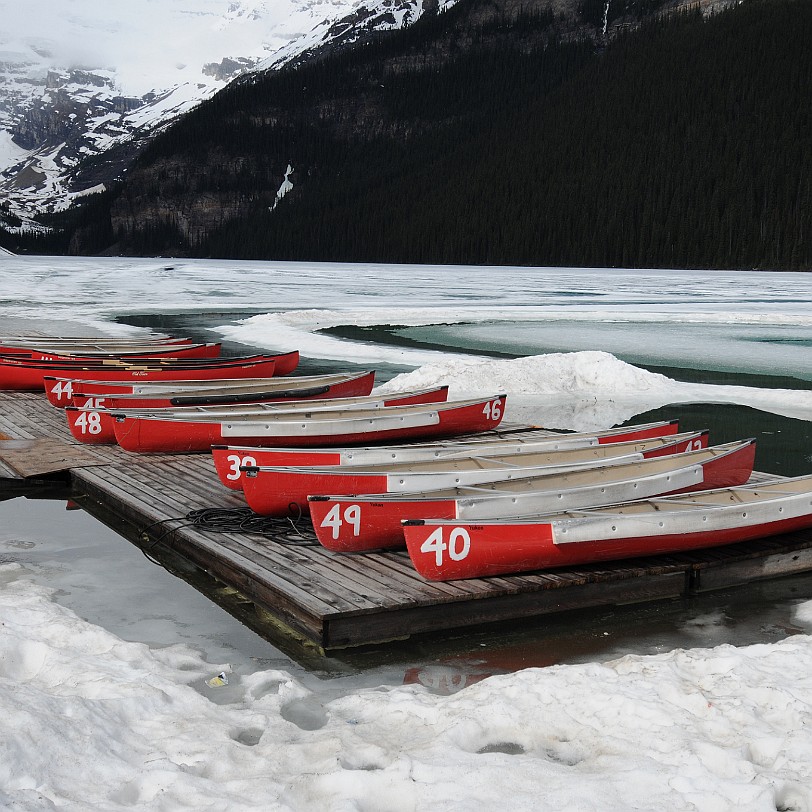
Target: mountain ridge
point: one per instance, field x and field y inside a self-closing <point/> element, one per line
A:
<point x="496" y="133"/>
<point x="62" y="107"/>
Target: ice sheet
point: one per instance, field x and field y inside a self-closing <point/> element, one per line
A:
<point x="746" y="322"/>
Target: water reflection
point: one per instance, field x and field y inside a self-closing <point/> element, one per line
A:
<point x="783" y="444"/>
<point x="763" y="612"/>
<point x="107" y="581"/>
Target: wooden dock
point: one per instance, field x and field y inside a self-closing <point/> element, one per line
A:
<point x="297" y="589"/>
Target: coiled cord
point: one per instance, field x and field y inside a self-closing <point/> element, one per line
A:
<point x="235" y="520"/>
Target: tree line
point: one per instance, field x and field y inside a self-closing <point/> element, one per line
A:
<point x="686" y="142"/>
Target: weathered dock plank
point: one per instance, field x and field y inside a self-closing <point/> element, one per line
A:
<point x="768" y="558"/>
<point x="44" y="455"/>
<point x="338" y="600"/>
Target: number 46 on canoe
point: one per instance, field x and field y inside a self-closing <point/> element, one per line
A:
<point x="327" y="427"/>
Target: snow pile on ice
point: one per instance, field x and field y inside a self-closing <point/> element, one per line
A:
<point x="303" y="330"/>
<point x="586" y="390"/>
<point x="572" y="373"/>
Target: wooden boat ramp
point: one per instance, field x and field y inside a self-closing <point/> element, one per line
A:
<point x="278" y="579"/>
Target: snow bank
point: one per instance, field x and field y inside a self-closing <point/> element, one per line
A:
<point x="302" y="330"/>
<point x="577" y="373"/>
<point x="91" y="721"/>
<point x="586" y="390"/>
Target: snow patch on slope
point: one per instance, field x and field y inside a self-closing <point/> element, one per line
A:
<point x="365" y="17"/>
<point x="102" y="74"/>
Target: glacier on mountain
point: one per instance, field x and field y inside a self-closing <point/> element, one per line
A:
<point x="78" y="80"/>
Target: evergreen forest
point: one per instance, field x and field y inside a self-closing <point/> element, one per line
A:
<point x="683" y="141"/>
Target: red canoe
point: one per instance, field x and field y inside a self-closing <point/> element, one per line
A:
<point x="278" y="491"/>
<point x="95" y="424"/>
<point x="52" y="375"/>
<point x="447" y="550"/>
<point x="371" y="521"/>
<point x="48" y="341"/>
<point x="62" y="392"/>
<point x="229" y="458"/>
<point x="236" y="392"/>
<point x="79" y="344"/>
<point x="325" y="427"/>
<point x="171" y="351"/>
<point x="30" y="375"/>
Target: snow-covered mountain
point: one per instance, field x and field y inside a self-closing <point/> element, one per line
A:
<point x="84" y="82"/>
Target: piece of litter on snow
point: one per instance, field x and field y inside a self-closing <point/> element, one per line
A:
<point x="218" y="681"/>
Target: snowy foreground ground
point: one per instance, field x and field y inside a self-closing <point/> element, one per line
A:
<point x="90" y="721"/>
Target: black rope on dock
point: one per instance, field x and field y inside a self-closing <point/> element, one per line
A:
<point x="244" y="520"/>
<point x="234" y="520"/>
<point x="145" y="536"/>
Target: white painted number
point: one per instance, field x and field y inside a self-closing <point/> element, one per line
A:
<point x="63" y="390"/>
<point x="92" y="403"/>
<point x="235" y="461"/>
<point x="352" y="516"/>
<point x="493" y="409"/>
<point x="694" y="445"/>
<point x="458" y="547"/>
<point x="89" y="422"/>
